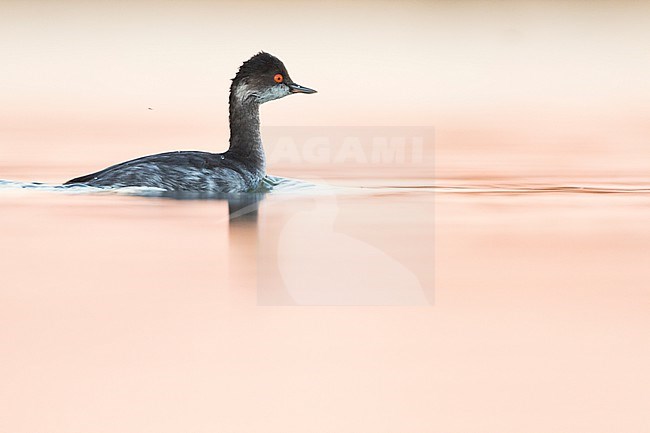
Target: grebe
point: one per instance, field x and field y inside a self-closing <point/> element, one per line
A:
<point x="241" y="168"/>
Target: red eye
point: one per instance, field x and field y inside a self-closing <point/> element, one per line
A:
<point x="278" y="78"/>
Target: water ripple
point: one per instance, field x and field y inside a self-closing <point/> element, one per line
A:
<point x="282" y="185"/>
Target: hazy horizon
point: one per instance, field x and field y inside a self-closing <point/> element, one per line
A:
<point x="534" y="83"/>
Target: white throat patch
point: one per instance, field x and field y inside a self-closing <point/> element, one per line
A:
<point x="275" y="92"/>
<point x="244" y="91"/>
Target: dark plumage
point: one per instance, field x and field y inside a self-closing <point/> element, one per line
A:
<point x="260" y="64"/>
<point x="260" y="79"/>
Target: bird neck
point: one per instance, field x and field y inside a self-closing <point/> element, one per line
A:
<point x="245" y="137"/>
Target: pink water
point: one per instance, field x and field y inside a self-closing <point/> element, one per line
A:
<point x="502" y="287"/>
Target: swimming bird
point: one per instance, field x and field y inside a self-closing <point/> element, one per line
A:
<point x="241" y="168"/>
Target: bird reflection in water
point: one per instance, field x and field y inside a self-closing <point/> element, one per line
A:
<point x="242" y="207"/>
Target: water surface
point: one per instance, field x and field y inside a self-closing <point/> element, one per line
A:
<point x="533" y="294"/>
